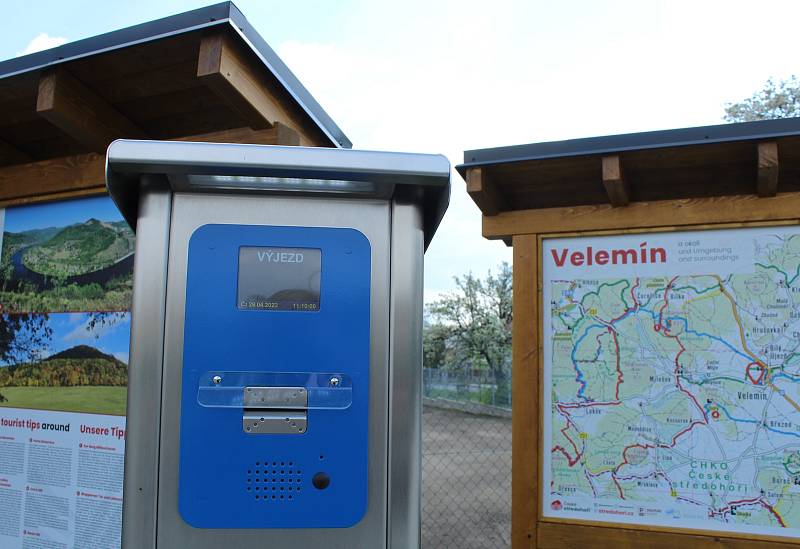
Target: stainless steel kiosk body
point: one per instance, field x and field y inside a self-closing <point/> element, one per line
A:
<point x="275" y="371"/>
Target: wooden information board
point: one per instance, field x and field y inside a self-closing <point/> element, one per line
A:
<point x="66" y="254"/>
<point x="656" y="353"/>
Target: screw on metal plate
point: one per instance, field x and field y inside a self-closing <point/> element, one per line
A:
<point x="217" y="380"/>
<point x="335" y="382"/>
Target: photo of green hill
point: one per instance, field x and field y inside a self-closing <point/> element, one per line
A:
<point x="67" y="362"/>
<point x="80" y="249"/>
<point x="79" y="365"/>
<point x="79" y="379"/>
<point x="66" y="257"/>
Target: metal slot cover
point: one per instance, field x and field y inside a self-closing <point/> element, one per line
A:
<point x="275" y="397"/>
<point x="276" y="422"/>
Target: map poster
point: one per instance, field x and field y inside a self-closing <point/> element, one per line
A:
<point x="66" y="271"/>
<point x="671" y="389"/>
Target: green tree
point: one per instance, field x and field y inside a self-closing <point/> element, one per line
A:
<point x="22" y="338"/>
<point x="471" y="327"/>
<point x="774" y="100"/>
<point x="434" y="343"/>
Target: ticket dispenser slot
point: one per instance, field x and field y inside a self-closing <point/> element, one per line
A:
<point x="275" y="410"/>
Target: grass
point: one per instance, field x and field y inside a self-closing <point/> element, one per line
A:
<point x="89" y="399"/>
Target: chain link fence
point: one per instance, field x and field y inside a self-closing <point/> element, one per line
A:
<point x="466" y="462"/>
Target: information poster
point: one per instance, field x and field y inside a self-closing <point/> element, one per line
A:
<point x="672" y="379"/>
<point x="66" y="272"/>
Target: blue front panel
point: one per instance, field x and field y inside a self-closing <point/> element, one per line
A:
<point x="231" y="479"/>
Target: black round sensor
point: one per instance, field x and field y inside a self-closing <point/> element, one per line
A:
<point x="321" y="481"/>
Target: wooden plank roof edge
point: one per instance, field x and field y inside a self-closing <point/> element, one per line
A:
<point x="224" y="13"/>
<point x="217" y="14"/>
<point x="759" y="130"/>
<point x="286" y="77"/>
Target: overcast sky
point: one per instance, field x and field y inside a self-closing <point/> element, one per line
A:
<point x="445" y="76"/>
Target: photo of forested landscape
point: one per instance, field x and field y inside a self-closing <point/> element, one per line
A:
<point x="67" y="362"/>
<point x="66" y="256"/>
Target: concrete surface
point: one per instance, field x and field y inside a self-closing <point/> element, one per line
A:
<point x="466" y="480"/>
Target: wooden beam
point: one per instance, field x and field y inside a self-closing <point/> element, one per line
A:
<point x="484" y="193"/>
<point x="66" y="195"/>
<point x="247" y="87"/>
<point x="85" y="173"/>
<point x="52" y="176"/>
<point x="768" y="169"/>
<point x="561" y="536"/>
<point x="277" y="135"/>
<point x="9" y="154"/>
<point x="284" y="135"/>
<point x="617" y="187"/>
<point x="80" y="113"/>
<point x="525" y="395"/>
<point x="644" y="215"/>
<point x="223" y="68"/>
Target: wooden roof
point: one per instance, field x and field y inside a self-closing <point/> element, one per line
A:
<point x="753" y="158"/>
<point x="203" y="75"/>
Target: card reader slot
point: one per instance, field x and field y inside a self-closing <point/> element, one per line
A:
<point x="275" y="422"/>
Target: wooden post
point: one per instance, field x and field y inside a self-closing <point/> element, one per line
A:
<point x="525" y="395"/>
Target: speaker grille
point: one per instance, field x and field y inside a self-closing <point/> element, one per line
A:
<point x="278" y="481"/>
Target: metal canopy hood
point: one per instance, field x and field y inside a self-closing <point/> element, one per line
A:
<point x="267" y="169"/>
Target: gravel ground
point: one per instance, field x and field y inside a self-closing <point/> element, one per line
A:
<point x="466" y="480"/>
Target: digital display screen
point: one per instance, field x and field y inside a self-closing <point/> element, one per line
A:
<point x="279" y="279"/>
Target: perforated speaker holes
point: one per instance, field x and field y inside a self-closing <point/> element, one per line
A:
<point x="276" y="481"/>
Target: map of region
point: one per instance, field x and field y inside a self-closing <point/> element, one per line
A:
<point x="672" y="379"/>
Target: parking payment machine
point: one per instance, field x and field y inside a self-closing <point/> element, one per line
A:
<point x="275" y="371"/>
